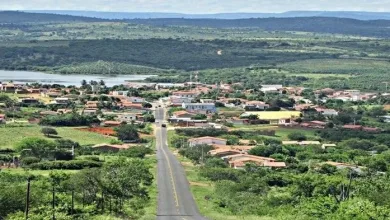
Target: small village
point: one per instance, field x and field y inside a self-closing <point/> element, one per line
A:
<point x="296" y="112"/>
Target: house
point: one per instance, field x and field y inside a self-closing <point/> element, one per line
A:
<point x="62" y="101"/>
<point x="358" y="169"/>
<point x="178" y="101"/>
<point x="324" y="146"/>
<point x="8" y="87"/>
<point x="185" y="94"/>
<point x="255" y="105"/>
<point x="223" y="152"/>
<point x="238" y="121"/>
<point x="206" y="140"/>
<point x="89" y="111"/>
<point x="326" y="91"/>
<point x="241" y="148"/>
<point x="92" y="104"/>
<point x="136" y="99"/>
<point x="386" y="118"/>
<point x="239" y="161"/>
<point x="313" y="124"/>
<point x="302" y="107"/>
<point x="29" y="101"/>
<point x="271" y="88"/>
<point x="112" y="123"/>
<point x="127" y="117"/>
<point x="2" y="118"/>
<point x="200" y="107"/>
<point x="47" y="113"/>
<point x="361" y="128"/>
<point x="207" y="101"/>
<point x="120" y="93"/>
<point x="183" y="115"/>
<point x="130" y="105"/>
<point x="110" y="147"/>
<point x="327" y="112"/>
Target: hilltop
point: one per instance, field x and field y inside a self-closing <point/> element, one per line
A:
<point x="360" y="15"/>
<point x="23" y="17"/>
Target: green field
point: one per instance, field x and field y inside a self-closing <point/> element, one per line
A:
<point x="10" y="136"/>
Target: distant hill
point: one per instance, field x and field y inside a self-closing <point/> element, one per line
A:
<point x="376" y="28"/>
<point x="23" y="17"/>
<point x="146" y="15"/>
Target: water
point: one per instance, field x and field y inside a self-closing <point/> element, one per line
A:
<point x="44" y="78"/>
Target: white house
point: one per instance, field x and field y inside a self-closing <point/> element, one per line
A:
<point x="271" y="88"/>
<point x="186" y="94"/>
<point x="136" y="99"/>
<point x="206" y="140"/>
<point x="255" y="105"/>
<point x="127" y="117"/>
<point x="200" y="107"/>
<point x="120" y="93"/>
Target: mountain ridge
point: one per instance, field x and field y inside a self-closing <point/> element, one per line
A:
<point x="359" y="15"/>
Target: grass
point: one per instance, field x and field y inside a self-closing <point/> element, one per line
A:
<point x="280" y="132"/>
<point x="10" y="136"/>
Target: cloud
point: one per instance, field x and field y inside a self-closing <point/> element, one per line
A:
<point x="198" y="6"/>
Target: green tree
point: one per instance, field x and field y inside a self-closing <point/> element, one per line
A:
<point x="47" y="131"/>
<point x="297" y="136"/>
<point x="127" y="133"/>
<point x="36" y="147"/>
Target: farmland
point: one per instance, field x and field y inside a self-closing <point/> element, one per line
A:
<point x="10" y="136"/>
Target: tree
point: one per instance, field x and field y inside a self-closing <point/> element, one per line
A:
<point x="297" y="136"/>
<point x="149" y="118"/>
<point x="147" y="105"/>
<point x="36" y="147"/>
<point x="47" y="131"/>
<point x="199" y="117"/>
<point x="127" y="133"/>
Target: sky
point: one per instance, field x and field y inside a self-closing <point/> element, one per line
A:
<point x="198" y="6"/>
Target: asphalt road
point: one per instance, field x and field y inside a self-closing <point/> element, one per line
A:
<point x="175" y="201"/>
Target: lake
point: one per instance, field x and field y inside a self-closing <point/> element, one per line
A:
<point x="44" y="78"/>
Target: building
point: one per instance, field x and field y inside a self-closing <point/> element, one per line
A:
<point x="271" y="88"/>
<point x="275" y="117"/>
<point x="136" y="99"/>
<point x="2" y="118"/>
<point x="130" y="105"/>
<point x="255" y="105"/>
<point x="29" y="101"/>
<point x="314" y="124"/>
<point x="112" y="123"/>
<point x="223" y="152"/>
<point x="127" y="117"/>
<point x="206" y="140"/>
<point x="301" y="143"/>
<point x="178" y="101"/>
<point x="8" y="87"/>
<point x="120" y="93"/>
<point x="186" y="94"/>
<point x="205" y="108"/>
<point x="62" y="101"/>
<point x="207" y="101"/>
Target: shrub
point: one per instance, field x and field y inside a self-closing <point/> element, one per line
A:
<point x="65" y="165"/>
<point x="136" y="152"/>
<point x="49" y="131"/>
<point x="297" y="136"/>
<point x="29" y="160"/>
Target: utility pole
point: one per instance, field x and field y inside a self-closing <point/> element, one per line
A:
<point x="387" y="85"/>
<point x="28" y="197"/>
<point x="54" y="203"/>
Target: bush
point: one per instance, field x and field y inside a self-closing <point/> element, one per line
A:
<point x="217" y="174"/>
<point x="29" y="160"/>
<point x="136" y="152"/>
<point x="65" y="165"/>
<point x="49" y="131"/>
<point x="297" y="136"/>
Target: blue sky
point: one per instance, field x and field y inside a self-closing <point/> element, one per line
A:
<point x="198" y="6"/>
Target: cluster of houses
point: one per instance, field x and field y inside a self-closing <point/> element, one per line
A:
<point x="236" y="156"/>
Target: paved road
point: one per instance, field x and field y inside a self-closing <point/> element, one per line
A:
<point x="175" y="201"/>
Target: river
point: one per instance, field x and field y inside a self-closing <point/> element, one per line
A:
<point x="44" y="78"/>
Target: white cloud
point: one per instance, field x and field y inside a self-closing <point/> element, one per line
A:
<point x="198" y="6"/>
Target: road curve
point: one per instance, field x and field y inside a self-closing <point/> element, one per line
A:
<point x="175" y="201"/>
